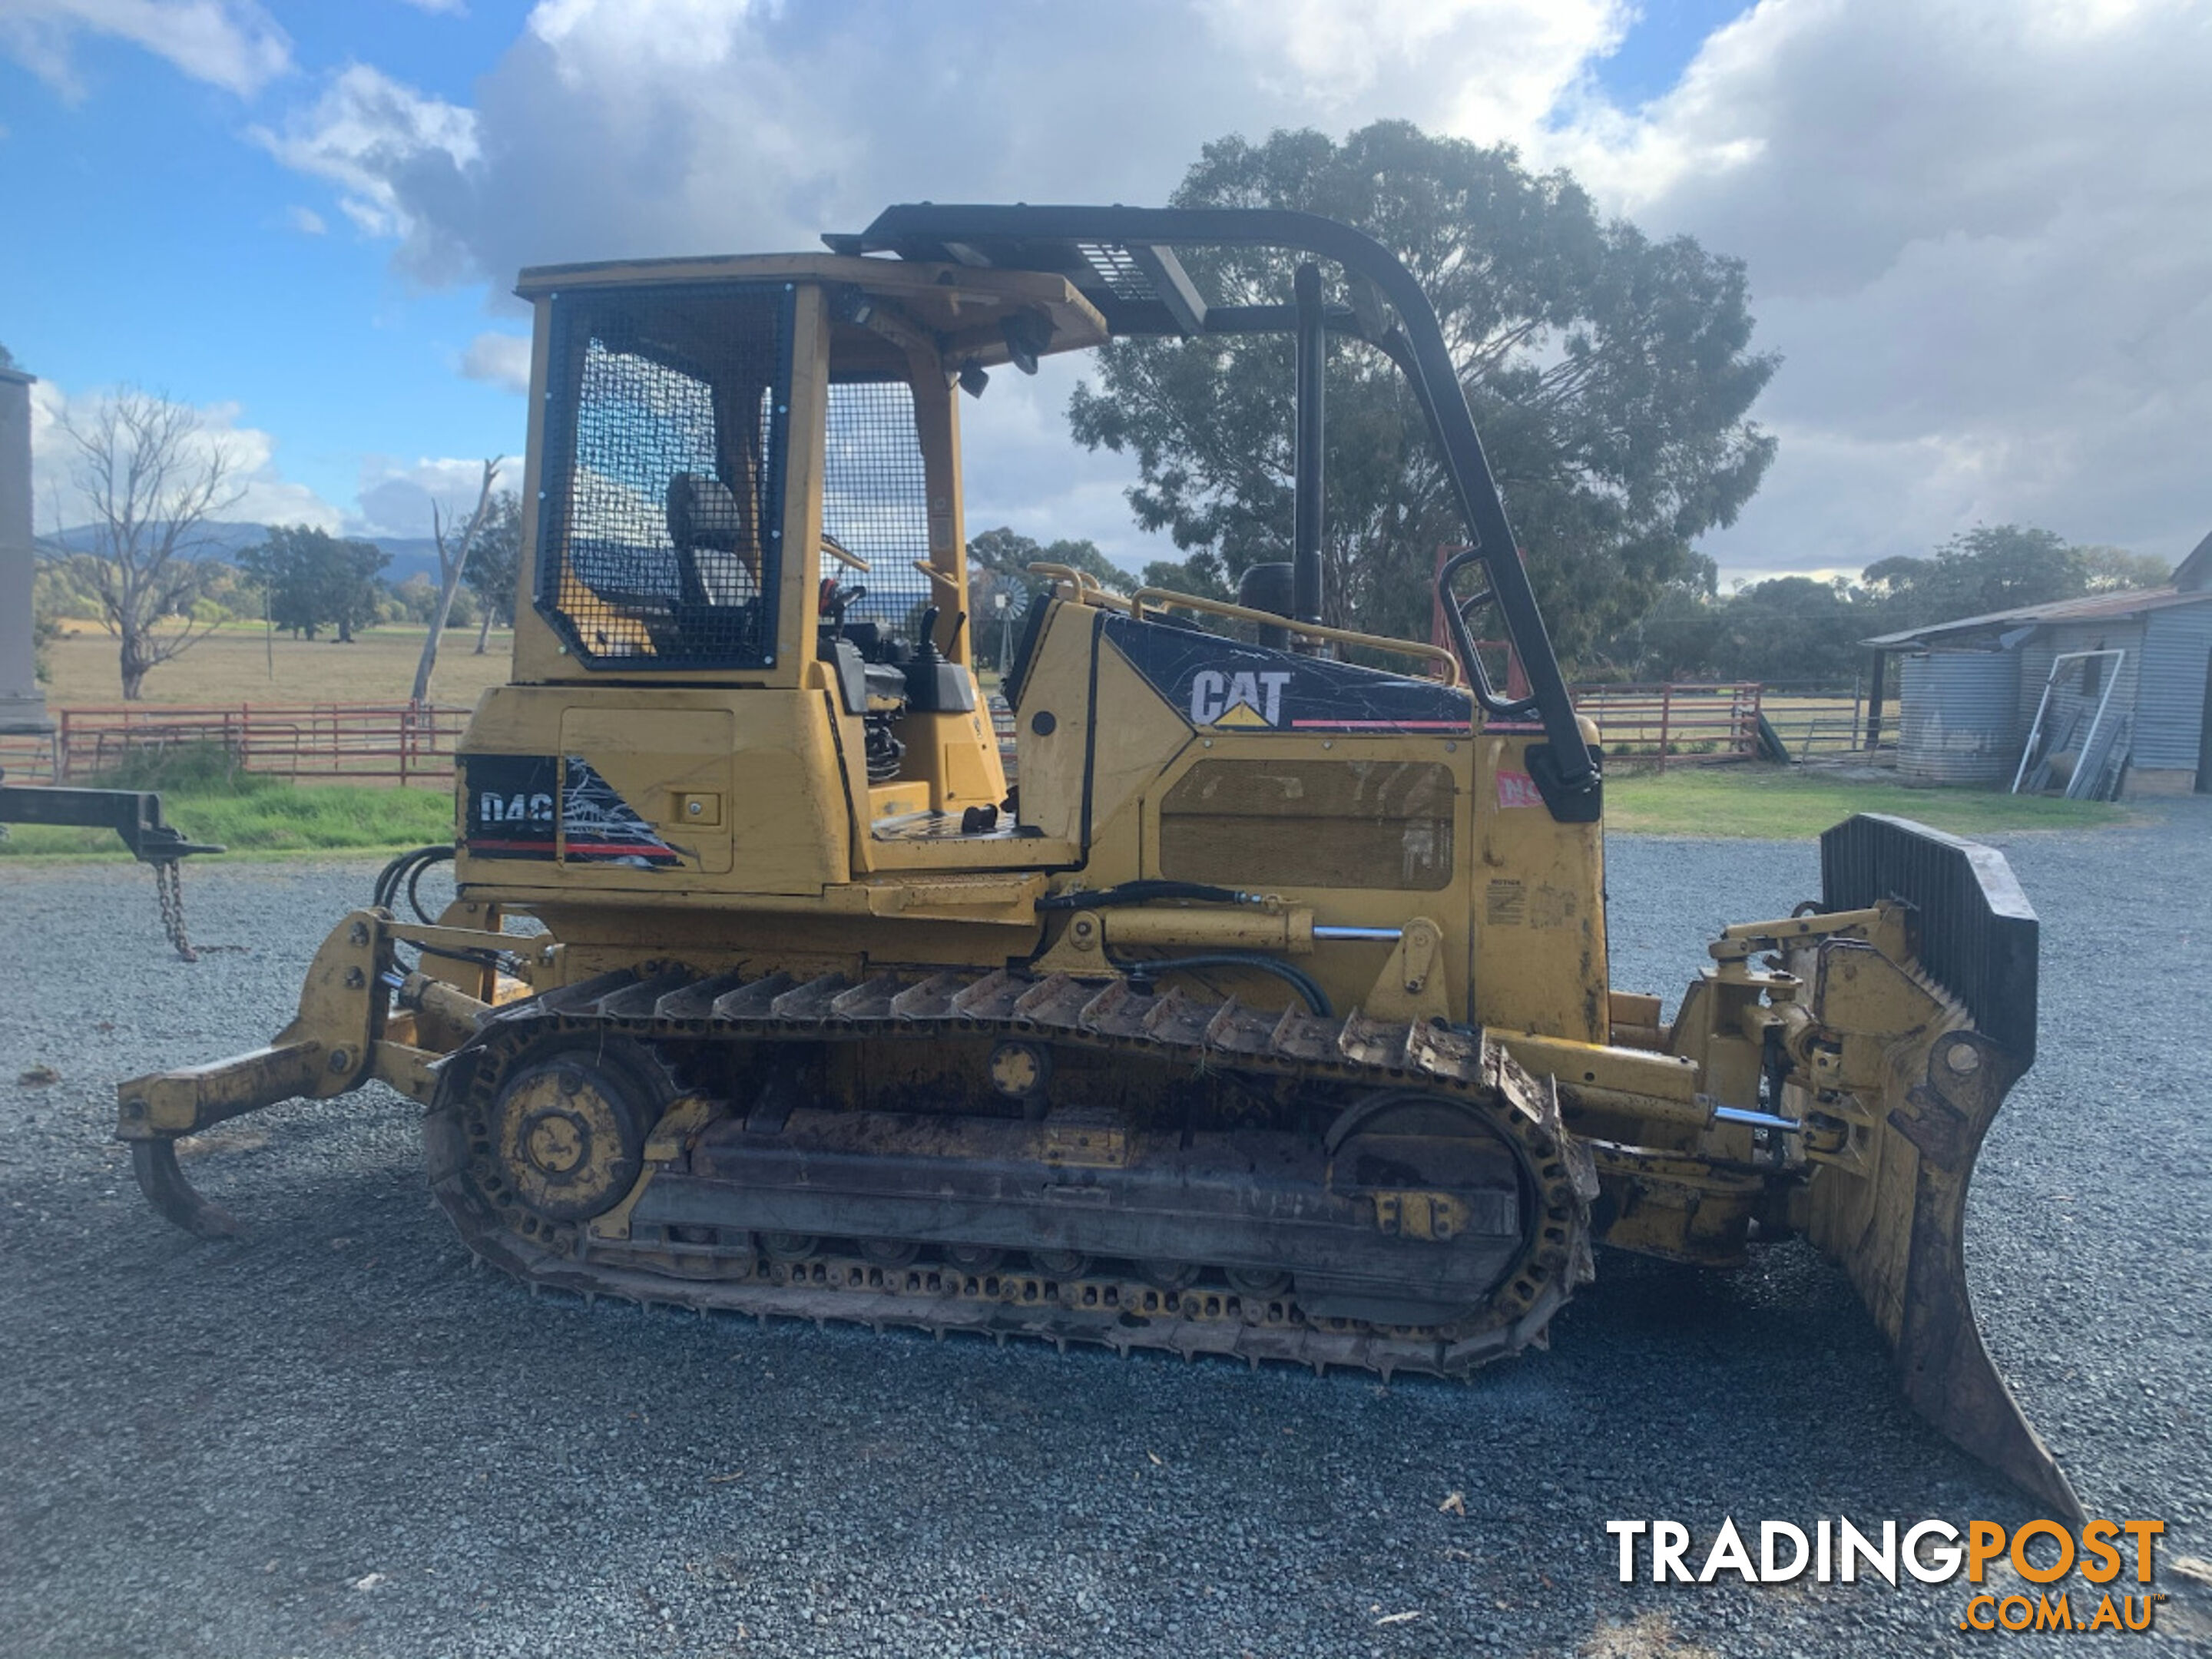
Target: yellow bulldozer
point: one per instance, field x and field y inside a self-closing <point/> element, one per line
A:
<point x="1265" y="1014"/>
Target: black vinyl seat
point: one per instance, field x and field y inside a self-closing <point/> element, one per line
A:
<point x="717" y="559"/>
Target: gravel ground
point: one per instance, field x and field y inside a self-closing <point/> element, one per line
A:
<point x="329" y="1438"/>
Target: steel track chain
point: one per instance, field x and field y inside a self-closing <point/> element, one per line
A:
<point x="659" y="1004"/>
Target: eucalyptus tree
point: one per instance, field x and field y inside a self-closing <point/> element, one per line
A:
<point x="1610" y="375"/>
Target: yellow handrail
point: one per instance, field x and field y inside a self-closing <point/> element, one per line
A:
<point x="1167" y="596"/>
<point x="1089" y="590"/>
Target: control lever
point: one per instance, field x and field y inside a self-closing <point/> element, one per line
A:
<point x="836" y="599"/>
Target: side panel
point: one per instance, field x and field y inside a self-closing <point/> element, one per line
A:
<point x="1053" y="724"/>
<point x="667" y="792"/>
<point x="672" y="768"/>
<point x="1368" y="831"/>
<point x="1358" y="821"/>
<point x="1540" y="951"/>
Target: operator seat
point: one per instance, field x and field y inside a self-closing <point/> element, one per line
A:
<point x="717" y="557"/>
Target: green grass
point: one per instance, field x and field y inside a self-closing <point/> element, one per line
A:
<point x="207" y="800"/>
<point x="262" y="816"/>
<point x="1774" y="803"/>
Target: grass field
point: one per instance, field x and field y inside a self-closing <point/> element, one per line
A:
<point x="1777" y="804"/>
<point x="260" y="816"/>
<point x="207" y="800"/>
<point x="233" y="666"/>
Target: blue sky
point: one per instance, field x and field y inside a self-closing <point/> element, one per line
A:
<point x="303" y="217"/>
<point x="170" y="257"/>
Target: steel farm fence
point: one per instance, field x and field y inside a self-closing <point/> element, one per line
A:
<point x="357" y="743"/>
<point x="1689" y="721"/>
<point x="404" y="743"/>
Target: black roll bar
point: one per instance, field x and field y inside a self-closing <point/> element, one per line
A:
<point x="1123" y="260"/>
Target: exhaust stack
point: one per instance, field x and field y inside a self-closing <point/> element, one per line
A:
<point x="1305" y="535"/>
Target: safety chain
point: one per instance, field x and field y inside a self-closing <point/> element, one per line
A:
<point x="169" y="892"/>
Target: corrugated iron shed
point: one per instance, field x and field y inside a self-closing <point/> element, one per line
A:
<point x="2163" y="684"/>
<point x="2096" y="607"/>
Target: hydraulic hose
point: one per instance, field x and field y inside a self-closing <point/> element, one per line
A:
<point x="1316" y="999"/>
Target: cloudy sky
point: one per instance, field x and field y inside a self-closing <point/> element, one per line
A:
<point x="1980" y="234"/>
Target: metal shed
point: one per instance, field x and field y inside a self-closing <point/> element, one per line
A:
<point x="2137" y="696"/>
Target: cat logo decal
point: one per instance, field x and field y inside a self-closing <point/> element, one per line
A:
<point x="1241" y="698"/>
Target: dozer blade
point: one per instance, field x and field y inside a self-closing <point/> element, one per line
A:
<point x="1890" y="1205"/>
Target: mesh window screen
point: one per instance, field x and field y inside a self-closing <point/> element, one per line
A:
<point x="875" y="500"/>
<point x="663" y="477"/>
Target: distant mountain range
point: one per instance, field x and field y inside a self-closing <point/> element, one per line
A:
<point x="227" y="539"/>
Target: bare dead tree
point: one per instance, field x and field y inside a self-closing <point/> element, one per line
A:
<point x="494" y="564"/>
<point x="452" y="563"/>
<point x="491" y="613"/>
<point x="151" y="483"/>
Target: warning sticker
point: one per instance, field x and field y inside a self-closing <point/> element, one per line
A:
<point x="1518" y="789"/>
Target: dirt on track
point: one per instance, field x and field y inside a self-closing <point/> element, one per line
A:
<point x="329" y="1438"/>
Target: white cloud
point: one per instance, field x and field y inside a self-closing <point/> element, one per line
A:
<point x="305" y="219"/>
<point x="397" y="495"/>
<point x="265" y="495"/>
<point x="616" y="128"/>
<point x="400" y="159"/>
<point x="502" y="359"/>
<point x="231" y="44"/>
<point x="631" y="127"/>
<point x="1969" y="232"/>
<point x="1972" y="235"/>
<point x="1023" y="471"/>
<point x="1509" y="62"/>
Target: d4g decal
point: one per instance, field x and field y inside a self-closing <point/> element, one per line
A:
<point x="510" y="814"/>
<point x="1223" y="685"/>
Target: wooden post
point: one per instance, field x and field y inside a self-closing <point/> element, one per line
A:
<point x="1874" y="702"/>
<point x="1666" y="721"/>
